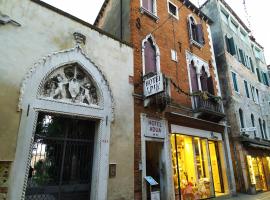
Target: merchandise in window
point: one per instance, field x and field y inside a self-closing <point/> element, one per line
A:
<point x="197" y="167"/>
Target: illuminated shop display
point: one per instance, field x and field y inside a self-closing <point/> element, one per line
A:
<point x="256" y="172"/>
<point x="196" y="167"/>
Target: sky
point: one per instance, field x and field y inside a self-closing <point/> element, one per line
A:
<point x="258" y="11"/>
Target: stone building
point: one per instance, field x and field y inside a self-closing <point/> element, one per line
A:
<point x="181" y="147"/>
<point x="66" y="122"/>
<point x="245" y="88"/>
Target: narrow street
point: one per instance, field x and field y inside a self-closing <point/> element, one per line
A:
<point x="260" y="196"/>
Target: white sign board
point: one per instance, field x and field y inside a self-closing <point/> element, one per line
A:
<point x="155" y="128"/>
<point x="150" y="180"/>
<point x="249" y="129"/>
<point x="155" y="195"/>
<point x="153" y="85"/>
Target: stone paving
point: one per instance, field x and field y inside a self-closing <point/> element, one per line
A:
<point x="260" y="196"/>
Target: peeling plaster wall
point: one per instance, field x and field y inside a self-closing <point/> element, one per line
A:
<point x="41" y="33"/>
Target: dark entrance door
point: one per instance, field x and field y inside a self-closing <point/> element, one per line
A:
<point x="61" y="163"/>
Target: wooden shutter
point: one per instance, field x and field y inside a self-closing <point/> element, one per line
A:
<point x="232" y="46"/>
<point x="210" y="85"/>
<point x="194" y="78"/>
<point x="227" y="43"/>
<point x="251" y="64"/>
<point x="149" y="57"/>
<point x="151" y="6"/>
<point x="200" y="35"/>
<point x="204" y="80"/>
<point x="145" y="4"/>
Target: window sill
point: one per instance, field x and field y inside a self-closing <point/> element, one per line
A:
<point x="197" y="44"/>
<point x="174" y="16"/>
<point x="148" y="13"/>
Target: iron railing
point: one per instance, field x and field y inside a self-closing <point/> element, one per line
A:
<point x="201" y="104"/>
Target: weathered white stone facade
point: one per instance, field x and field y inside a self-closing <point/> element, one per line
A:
<point x="34" y="57"/>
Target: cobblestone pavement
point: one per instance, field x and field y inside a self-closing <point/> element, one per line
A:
<point x="261" y="196"/>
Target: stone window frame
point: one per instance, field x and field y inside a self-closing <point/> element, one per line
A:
<point x="191" y="38"/>
<point x="176" y="16"/>
<point x="150" y="36"/>
<point x="237" y="84"/>
<point x="153" y="14"/>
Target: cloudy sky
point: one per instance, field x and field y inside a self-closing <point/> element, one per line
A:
<point x="258" y="12"/>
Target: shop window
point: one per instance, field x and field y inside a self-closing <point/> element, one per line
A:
<point x="230" y="45"/>
<point x="256" y="172"/>
<point x="195" y="32"/>
<point x="197" y="167"/>
<point x="173" y="9"/>
<point x="150" y="53"/>
<point x="235" y="83"/>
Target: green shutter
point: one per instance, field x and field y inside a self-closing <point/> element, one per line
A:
<point x="232" y="46"/>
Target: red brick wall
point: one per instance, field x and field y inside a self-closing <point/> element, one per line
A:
<point x="164" y="38"/>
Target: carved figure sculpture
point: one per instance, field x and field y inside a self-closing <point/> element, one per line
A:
<point x="70" y="83"/>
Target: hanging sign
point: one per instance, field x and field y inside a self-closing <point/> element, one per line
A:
<point x="155" y="128"/>
<point x="153" y="85"/>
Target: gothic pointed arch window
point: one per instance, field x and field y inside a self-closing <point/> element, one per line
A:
<point x="261" y="128"/>
<point x="204" y="80"/>
<point x="195" y="31"/>
<point x="264" y="129"/>
<point x="150" y="55"/>
<point x="194" y="79"/>
<point x="253" y="123"/>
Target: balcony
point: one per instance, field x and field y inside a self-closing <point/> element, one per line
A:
<point x="208" y="107"/>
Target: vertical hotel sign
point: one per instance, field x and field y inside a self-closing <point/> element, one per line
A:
<point x="155" y="128"/>
<point x="153" y="85"/>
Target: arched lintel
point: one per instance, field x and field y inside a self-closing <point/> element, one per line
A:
<point x="39" y="71"/>
<point x="198" y="63"/>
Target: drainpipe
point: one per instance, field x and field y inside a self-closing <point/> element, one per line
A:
<point x="232" y="184"/>
<point x="121" y="19"/>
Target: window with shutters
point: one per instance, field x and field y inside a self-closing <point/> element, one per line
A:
<point x="230" y="45"/>
<point x="257" y="96"/>
<point x="264" y="130"/>
<point x="261" y="128"/>
<point x="149" y="7"/>
<point x="234" y="26"/>
<point x="194" y="78"/>
<point x="203" y="79"/>
<point x="241" y="117"/>
<point x="265" y="79"/>
<point x="150" y="56"/>
<point x="251" y="65"/>
<point x="258" y="75"/>
<point x="196" y="34"/>
<point x="242" y="57"/>
<point x="253" y="123"/>
<point x="252" y="89"/>
<point x="235" y="83"/>
<point x="246" y="88"/>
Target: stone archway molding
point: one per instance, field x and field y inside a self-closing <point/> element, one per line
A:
<point x="31" y="102"/>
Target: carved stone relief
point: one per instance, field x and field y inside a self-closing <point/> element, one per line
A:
<point x="4" y="173"/>
<point x="70" y="84"/>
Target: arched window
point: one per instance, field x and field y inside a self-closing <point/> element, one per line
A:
<point x="203" y="79"/>
<point x="241" y="117"/>
<point x="194" y="79"/>
<point x="195" y="31"/>
<point x="261" y="128"/>
<point x="150" y="54"/>
<point x="253" y="123"/>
